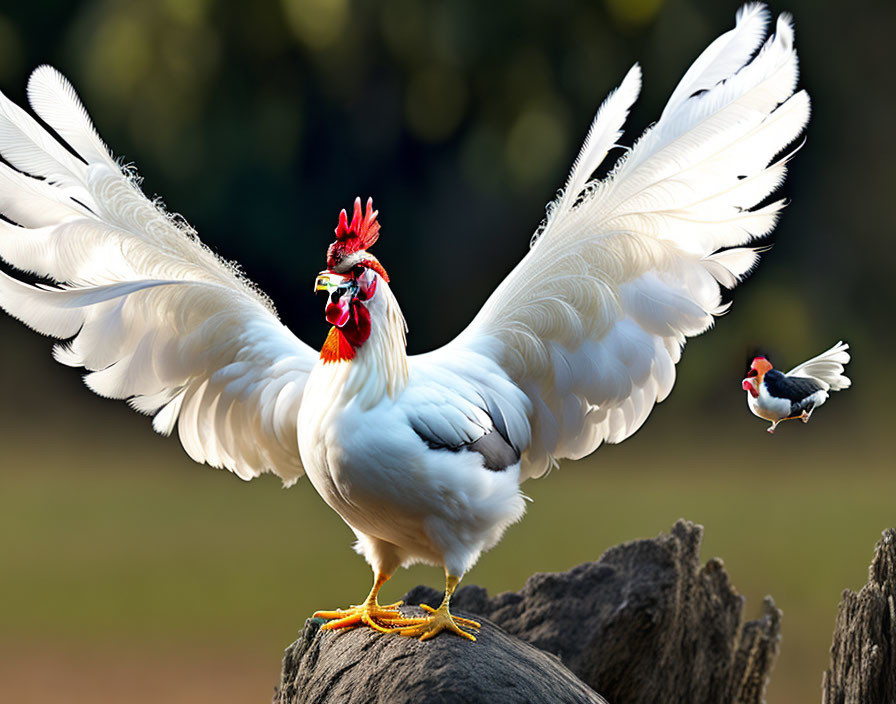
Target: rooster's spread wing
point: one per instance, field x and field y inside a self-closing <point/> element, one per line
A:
<point x="154" y="316"/>
<point x="591" y="322"/>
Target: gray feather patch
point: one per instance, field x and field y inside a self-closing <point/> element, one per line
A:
<point x="497" y="453"/>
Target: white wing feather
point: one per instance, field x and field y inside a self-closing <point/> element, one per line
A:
<point x="827" y="368"/>
<point x="154" y="315"/>
<point x="592" y="321"/>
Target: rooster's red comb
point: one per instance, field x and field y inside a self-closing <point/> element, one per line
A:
<point x="353" y="236"/>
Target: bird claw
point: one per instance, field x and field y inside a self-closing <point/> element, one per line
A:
<point x="379" y="618"/>
<point x="441" y="620"/>
<point x="459" y="620"/>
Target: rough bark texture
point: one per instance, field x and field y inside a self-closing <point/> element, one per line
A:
<point x="863" y="652"/>
<point x="645" y="623"/>
<point x="364" y="666"/>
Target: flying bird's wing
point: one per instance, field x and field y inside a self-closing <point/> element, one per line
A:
<point x="592" y="321"/>
<point x="154" y="315"/>
<point x="826" y="368"/>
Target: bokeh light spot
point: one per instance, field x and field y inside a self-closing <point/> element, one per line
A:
<point x="188" y="12"/>
<point x="10" y="50"/>
<point x="535" y="144"/>
<point x="119" y="55"/>
<point x="435" y="102"/>
<point x="633" y="13"/>
<point x="316" y="23"/>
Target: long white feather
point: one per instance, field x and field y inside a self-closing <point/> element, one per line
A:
<point x="602" y="135"/>
<point x="724" y="57"/>
<point x="56" y="102"/>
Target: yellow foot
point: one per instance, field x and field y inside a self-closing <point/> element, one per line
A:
<point x="377" y="617"/>
<point x="441" y="620"/>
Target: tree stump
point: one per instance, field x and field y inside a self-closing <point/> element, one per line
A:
<point x="362" y="665"/>
<point x="863" y="652"/>
<point x="643" y="624"/>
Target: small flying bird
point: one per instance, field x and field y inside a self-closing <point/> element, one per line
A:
<point x="777" y="397"/>
<point x="422" y="456"/>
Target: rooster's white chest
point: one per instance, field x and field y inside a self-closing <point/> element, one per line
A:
<point x="333" y="451"/>
<point x="363" y="462"/>
<point x="369" y="465"/>
<point x="318" y="418"/>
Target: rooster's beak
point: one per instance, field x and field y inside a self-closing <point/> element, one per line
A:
<point x="327" y="281"/>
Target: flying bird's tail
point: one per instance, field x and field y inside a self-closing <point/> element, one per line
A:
<point x="827" y="368"/>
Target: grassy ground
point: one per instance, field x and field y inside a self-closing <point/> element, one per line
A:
<point x="187" y="583"/>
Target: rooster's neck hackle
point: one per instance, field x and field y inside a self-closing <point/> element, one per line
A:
<point x="377" y="368"/>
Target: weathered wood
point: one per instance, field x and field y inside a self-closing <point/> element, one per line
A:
<point x="863" y="651"/>
<point x="362" y="665"/>
<point x="643" y="624"/>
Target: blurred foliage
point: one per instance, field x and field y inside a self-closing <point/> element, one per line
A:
<point x="260" y="121"/>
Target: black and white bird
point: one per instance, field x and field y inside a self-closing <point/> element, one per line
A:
<point x="776" y="396"/>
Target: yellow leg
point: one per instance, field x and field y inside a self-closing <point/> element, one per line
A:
<point x="803" y="417"/>
<point x="441" y="618"/>
<point x="370" y="613"/>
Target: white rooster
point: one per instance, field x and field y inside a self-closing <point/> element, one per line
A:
<point x="422" y="456"/>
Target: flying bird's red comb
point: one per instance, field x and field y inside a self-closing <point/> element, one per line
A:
<point x="355" y="236"/>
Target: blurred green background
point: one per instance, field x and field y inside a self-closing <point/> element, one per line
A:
<point x="126" y="568"/>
